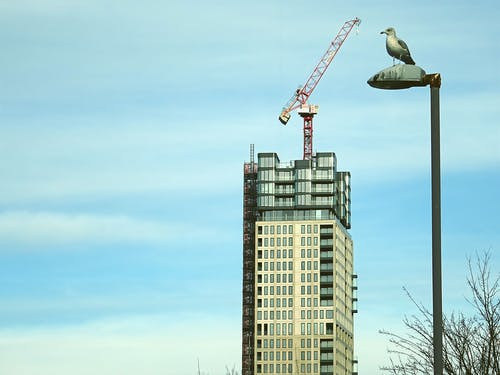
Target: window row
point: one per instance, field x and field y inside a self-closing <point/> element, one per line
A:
<point x="270" y="266"/>
<point x="309" y="369"/>
<point x="308" y="241"/>
<point x="271" y="329"/>
<point x="280" y="241"/>
<point x="278" y="315"/>
<point x="304" y="253"/>
<point x="308" y="302"/>
<point x="308" y="289"/>
<point x="278" y="369"/>
<point x="309" y="355"/>
<point x="307" y="265"/>
<point x="271" y="356"/>
<point x="280" y="278"/>
<point x="278" y="302"/>
<point x="272" y="290"/>
<point x="269" y="343"/>
<point x="316" y="328"/>
<point x="279" y="254"/>
<point x="316" y="314"/>
<point x="280" y="229"/>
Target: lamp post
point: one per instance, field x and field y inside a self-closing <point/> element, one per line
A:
<point x="404" y="76"/>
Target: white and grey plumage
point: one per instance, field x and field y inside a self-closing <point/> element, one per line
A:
<point x="396" y="47"/>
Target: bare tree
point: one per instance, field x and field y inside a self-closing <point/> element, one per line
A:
<point x="471" y="344"/>
<point x="231" y="371"/>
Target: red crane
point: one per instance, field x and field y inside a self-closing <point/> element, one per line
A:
<point x="301" y="95"/>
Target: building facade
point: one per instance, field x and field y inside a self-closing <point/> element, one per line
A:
<point x="298" y="278"/>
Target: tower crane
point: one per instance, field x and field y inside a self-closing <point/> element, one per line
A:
<point x="301" y="95"/>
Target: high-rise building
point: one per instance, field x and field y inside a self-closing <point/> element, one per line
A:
<point x="298" y="279"/>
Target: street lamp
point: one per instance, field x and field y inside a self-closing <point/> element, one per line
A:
<point x="403" y="76"/>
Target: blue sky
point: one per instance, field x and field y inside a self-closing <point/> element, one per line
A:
<point x="123" y="129"/>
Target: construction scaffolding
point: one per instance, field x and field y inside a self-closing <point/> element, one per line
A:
<point x="249" y="218"/>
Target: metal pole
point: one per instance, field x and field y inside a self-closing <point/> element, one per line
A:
<point x="437" y="313"/>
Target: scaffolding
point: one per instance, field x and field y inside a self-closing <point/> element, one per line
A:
<point x="249" y="218"/>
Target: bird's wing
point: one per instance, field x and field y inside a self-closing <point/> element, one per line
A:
<point x="403" y="44"/>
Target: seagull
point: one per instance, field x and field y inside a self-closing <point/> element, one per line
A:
<point x="396" y="47"/>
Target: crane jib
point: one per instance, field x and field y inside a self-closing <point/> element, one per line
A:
<point x="302" y="94"/>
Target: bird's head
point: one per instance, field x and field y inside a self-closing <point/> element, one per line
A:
<point x="389" y="31"/>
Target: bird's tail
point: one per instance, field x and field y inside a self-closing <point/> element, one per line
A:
<point x="408" y="60"/>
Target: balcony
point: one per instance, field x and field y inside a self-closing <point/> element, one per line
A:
<point x="284" y="190"/>
<point x="326" y="242"/>
<point x="326" y="292"/>
<point x="326" y="279"/>
<point x="326" y="254"/>
<point x="326" y="267"/>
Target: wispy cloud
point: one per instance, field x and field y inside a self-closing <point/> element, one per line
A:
<point x="150" y="345"/>
<point x="41" y="229"/>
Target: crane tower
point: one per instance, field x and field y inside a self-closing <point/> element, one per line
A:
<point x="301" y="95"/>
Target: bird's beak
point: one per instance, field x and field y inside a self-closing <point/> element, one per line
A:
<point x="383" y="32"/>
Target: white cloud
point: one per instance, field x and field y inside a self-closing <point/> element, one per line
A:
<point x="52" y="228"/>
<point x="149" y="345"/>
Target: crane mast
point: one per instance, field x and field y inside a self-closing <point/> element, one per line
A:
<point x="301" y="95"/>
